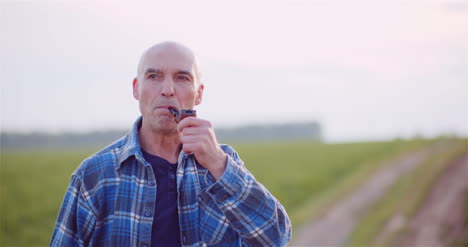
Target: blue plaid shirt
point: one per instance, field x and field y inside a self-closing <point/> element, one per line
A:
<point x="111" y="199"/>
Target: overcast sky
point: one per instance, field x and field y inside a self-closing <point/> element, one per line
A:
<point x="362" y="69"/>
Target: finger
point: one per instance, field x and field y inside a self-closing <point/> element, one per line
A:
<point x="202" y="131"/>
<point x="186" y="122"/>
<point x="191" y="131"/>
<point x="190" y="139"/>
<point x="192" y="122"/>
<point x="189" y="148"/>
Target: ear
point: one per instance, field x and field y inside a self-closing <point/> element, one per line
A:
<point x="136" y="94"/>
<point x="199" y="97"/>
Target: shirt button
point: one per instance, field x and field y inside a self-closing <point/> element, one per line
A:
<point x="151" y="183"/>
<point x="147" y="213"/>
<point x="172" y="176"/>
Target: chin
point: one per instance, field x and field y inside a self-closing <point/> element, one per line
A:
<point x="164" y="126"/>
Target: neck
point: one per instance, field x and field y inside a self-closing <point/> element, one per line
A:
<point x="162" y="144"/>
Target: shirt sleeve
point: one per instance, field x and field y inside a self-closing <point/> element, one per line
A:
<point x="76" y="220"/>
<point x="253" y="211"/>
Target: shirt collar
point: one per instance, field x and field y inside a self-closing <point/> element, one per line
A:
<point x="131" y="145"/>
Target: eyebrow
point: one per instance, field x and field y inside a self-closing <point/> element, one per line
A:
<point x="152" y="70"/>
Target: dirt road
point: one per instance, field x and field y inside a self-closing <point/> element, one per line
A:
<point x="442" y="219"/>
<point x="333" y="228"/>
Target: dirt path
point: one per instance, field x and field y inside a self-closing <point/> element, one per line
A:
<point x="334" y="227"/>
<point x="440" y="221"/>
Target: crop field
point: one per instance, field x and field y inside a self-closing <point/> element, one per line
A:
<point x="304" y="176"/>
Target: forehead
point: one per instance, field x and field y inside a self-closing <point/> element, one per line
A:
<point x="168" y="59"/>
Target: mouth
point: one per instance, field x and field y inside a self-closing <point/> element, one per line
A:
<point x="166" y="110"/>
<point x="178" y="115"/>
<point x="166" y="107"/>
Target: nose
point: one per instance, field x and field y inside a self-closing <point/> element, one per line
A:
<point x="167" y="89"/>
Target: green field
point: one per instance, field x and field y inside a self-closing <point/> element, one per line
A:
<point x="305" y="176"/>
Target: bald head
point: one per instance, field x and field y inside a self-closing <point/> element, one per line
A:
<point x="165" y="49"/>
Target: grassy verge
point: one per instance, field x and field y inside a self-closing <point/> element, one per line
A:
<point x="463" y="242"/>
<point x="403" y="198"/>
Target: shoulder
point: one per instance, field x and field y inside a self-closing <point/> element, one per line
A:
<point x="101" y="165"/>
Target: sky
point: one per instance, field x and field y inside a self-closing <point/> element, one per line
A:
<point x="365" y="70"/>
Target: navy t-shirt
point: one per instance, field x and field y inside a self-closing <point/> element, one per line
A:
<point x="166" y="231"/>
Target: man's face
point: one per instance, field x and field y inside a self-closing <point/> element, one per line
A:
<point x="166" y="78"/>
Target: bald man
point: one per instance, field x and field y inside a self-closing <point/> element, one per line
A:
<point x="168" y="183"/>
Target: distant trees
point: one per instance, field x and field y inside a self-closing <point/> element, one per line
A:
<point x="297" y="131"/>
<point x="63" y="140"/>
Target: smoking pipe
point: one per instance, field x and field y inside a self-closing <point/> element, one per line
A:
<point x="179" y="115"/>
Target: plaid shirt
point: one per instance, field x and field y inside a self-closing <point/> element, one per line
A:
<point x="111" y="199"/>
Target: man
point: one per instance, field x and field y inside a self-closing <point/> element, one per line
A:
<point x="168" y="183"/>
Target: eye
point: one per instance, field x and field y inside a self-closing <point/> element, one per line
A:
<point x="183" y="78"/>
<point x="153" y="76"/>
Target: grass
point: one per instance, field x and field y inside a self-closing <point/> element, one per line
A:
<point x="32" y="183"/>
<point x="463" y="242"/>
<point x="308" y="177"/>
<point x="403" y="198"/>
<point x="32" y="188"/>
